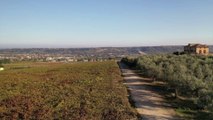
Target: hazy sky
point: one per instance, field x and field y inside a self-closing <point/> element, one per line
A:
<point x="97" y="23"/>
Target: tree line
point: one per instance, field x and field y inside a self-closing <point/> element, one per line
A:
<point x="188" y="75"/>
<point x="4" y="61"/>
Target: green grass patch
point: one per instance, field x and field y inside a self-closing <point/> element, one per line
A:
<point x="188" y="110"/>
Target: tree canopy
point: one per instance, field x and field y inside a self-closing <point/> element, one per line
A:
<point x="190" y="76"/>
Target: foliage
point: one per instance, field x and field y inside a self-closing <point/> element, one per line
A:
<point x="4" y="61"/>
<point x="189" y="76"/>
<point x="76" y="91"/>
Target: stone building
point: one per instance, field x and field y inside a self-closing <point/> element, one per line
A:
<point x="196" y="49"/>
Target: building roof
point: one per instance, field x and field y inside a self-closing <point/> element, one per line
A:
<point x="197" y="45"/>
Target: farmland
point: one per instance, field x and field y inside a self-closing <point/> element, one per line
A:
<point x="32" y="90"/>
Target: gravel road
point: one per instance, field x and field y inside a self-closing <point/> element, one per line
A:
<point x="148" y="102"/>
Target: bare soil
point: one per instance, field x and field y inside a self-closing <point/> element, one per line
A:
<point x="150" y="104"/>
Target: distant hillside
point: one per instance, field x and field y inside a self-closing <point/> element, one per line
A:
<point x="160" y="49"/>
<point x="164" y="49"/>
<point x="115" y="51"/>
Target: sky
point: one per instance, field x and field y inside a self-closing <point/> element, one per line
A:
<point x="104" y="23"/>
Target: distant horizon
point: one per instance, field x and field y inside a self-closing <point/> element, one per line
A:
<point x="58" y="47"/>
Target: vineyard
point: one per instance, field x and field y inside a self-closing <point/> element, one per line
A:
<point x="185" y="76"/>
<point x="78" y="91"/>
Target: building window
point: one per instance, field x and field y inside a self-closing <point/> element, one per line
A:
<point x="204" y="51"/>
<point x="200" y="51"/>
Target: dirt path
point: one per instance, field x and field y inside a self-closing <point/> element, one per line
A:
<point x="148" y="102"/>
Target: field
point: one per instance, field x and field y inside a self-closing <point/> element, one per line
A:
<point x="75" y="91"/>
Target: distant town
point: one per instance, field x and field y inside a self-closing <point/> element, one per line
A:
<point x="90" y="54"/>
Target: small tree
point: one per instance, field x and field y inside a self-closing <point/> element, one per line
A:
<point x="198" y="72"/>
